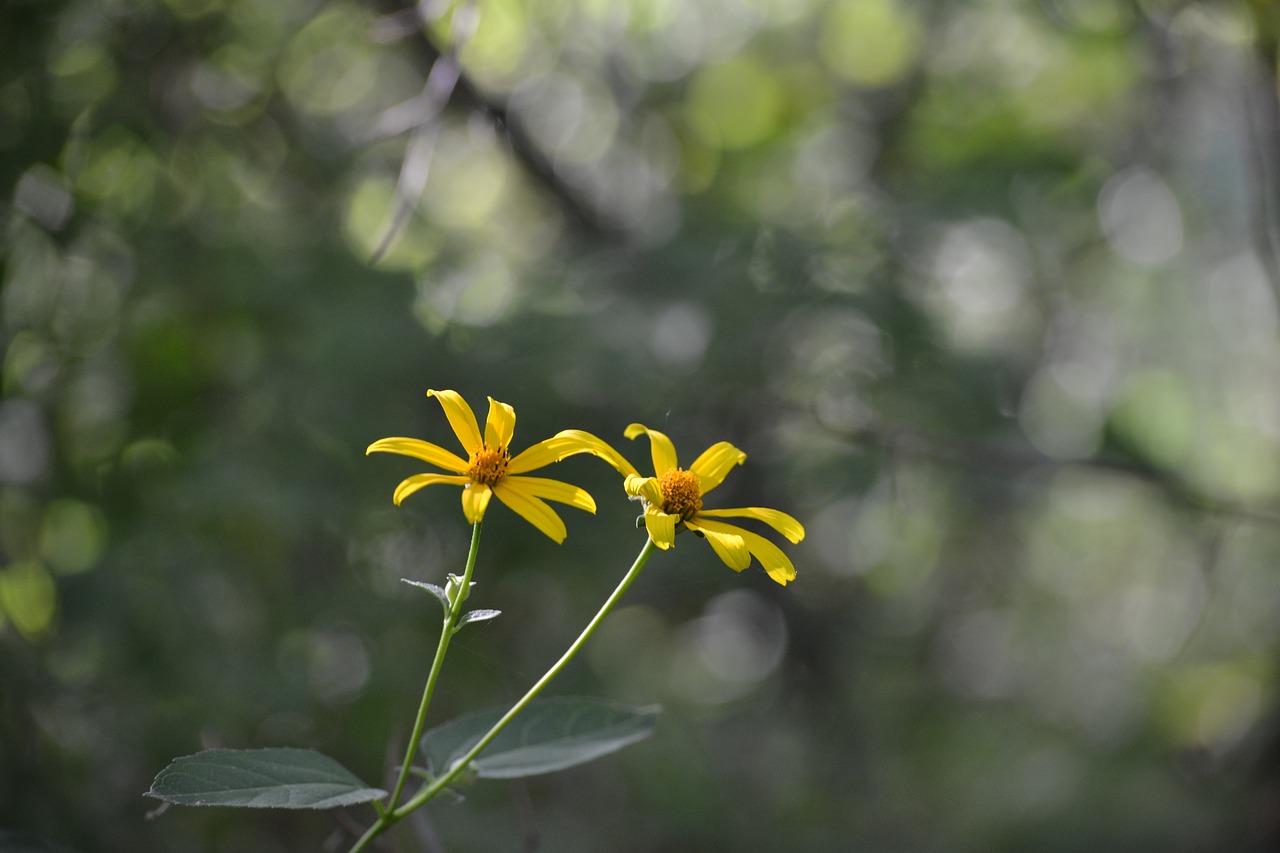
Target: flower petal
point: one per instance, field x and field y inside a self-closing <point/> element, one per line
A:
<point x="779" y="521"/>
<point x="499" y="426"/>
<point x="511" y="492"/>
<point x="717" y="461"/>
<point x="776" y="563"/>
<point x="554" y="490"/>
<point x="475" y="499"/>
<point x="566" y="443"/>
<point x="661" y="527"/>
<point x="461" y="418"/>
<point x="647" y="488"/>
<point x="417" y="481"/>
<point x="664" y="452"/>
<point x="728" y="546"/>
<point x="419" y="449"/>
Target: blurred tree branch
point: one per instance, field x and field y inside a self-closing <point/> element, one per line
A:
<point x="410" y="23"/>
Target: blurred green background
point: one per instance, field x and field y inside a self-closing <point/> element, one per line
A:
<point x="987" y="290"/>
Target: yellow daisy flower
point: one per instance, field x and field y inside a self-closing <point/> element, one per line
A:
<point x="489" y="468"/>
<point x="673" y="499"/>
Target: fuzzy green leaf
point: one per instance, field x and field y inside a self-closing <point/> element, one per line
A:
<point x="550" y="735"/>
<point x="261" y="779"/>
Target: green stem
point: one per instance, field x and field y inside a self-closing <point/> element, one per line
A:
<point x="385" y="815"/>
<point x="440" y="783"/>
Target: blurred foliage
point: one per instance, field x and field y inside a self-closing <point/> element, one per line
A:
<point x="987" y="290"/>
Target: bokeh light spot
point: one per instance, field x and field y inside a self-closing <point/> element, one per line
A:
<point x="869" y="42"/>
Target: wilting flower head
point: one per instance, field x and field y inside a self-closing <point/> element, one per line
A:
<point x="489" y="468"/>
<point x="673" y="499"/>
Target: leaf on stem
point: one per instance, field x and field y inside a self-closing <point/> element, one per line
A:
<point x="551" y="734"/>
<point x="477" y="616"/>
<point x="438" y="592"/>
<point x="261" y="779"/>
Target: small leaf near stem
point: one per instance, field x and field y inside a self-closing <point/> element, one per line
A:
<point x="476" y="616"/>
<point x="436" y="591"/>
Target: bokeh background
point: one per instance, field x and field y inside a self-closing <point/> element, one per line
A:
<point x="987" y="290"/>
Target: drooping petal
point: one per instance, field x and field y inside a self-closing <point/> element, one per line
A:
<point x="475" y="499"/>
<point x="647" y="488"/>
<point x="554" y="490"/>
<point x="663" y="451"/>
<point x="570" y="442"/>
<point x="715" y="462"/>
<point x="418" y="481"/>
<point x="512" y="492"/>
<point x="779" y="521"/>
<point x="776" y="563"/>
<point x="419" y="449"/>
<point x="661" y="527"/>
<point x="499" y="426"/>
<point x="728" y="546"/>
<point x="461" y="418"/>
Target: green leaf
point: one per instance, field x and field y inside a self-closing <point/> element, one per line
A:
<point x="261" y="779"/>
<point x="439" y="593"/>
<point x="477" y="616"/>
<point x="549" y="735"/>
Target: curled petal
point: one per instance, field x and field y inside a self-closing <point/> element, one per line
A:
<point x="417" y="481"/>
<point x="647" y="488"/>
<point x="661" y="527"/>
<point x="513" y="493"/>
<point x="776" y="563"/>
<point x="461" y="418"/>
<point x="500" y="425"/>
<point x="554" y="490"/>
<point x="712" y="466"/>
<point x="418" y="449"/>
<point x="571" y="442"/>
<point x="779" y="521"/>
<point x="728" y="546"/>
<point x="475" y="499"/>
<point x="663" y="451"/>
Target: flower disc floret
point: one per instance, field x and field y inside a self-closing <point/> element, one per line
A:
<point x="489" y="466"/>
<point x="681" y="494"/>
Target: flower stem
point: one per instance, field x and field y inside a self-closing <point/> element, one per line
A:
<point x="386" y="816"/>
<point x="440" y="783"/>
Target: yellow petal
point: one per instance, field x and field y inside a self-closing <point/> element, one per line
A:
<point x="566" y="443"/>
<point x="560" y="446"/>
<point x="554" y="490"/>
<point x="776" y="563"/>
<point x="664" y="452"/>
<point x="661" y="527"/>
<point x="644" y="487"/>
<point x="461" y="418"/>
<point x="717" y="461"/>
<point x="499" y="426"/>
<point x="417" y="481"/>
<point x="779" y="521"/>
<point x="728" y="546"/>
<point x="530" y="508"/>
<point x="418" y="449"/>
<point x="475" y="499"/>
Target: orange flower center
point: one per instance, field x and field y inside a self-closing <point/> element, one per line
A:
<point x="489" y="466"/>
<point x="681" y="493"/>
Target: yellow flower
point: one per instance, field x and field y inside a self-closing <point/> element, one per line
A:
<point x="489" y="468"/>
<point x="673" y="498"/>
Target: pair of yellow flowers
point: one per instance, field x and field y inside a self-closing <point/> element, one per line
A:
<point x="672" y="497"/>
